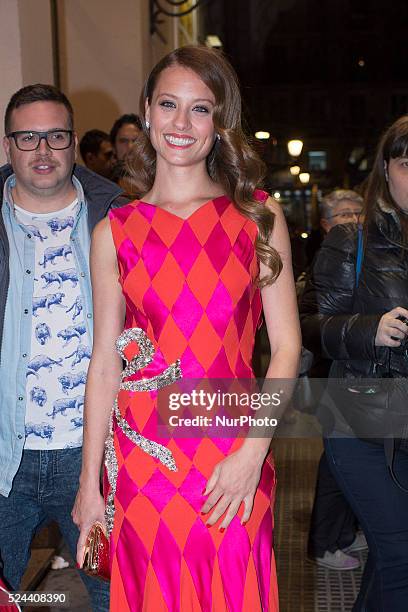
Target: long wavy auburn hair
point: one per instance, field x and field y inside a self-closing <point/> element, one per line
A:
<point x="232" y="162"/>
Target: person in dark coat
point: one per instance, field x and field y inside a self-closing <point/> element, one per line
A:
<point x="362" y="327"/>
<point x="333" y="533"/>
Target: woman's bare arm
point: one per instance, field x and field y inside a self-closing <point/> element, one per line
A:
<point x="282" y="323"/>
<point x="103" y="376"/>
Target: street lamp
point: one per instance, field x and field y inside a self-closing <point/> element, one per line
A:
<point x="294" y="170"/>
<point x="295" y="147"/>
<point x="213" y="41"/>
<point x="304" y="178"/>
<point x="262" y="135"/>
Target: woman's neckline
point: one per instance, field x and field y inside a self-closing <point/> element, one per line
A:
<point x="173" y="214"/>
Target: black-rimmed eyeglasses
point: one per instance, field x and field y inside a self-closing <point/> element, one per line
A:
<point x="30" y="140"/>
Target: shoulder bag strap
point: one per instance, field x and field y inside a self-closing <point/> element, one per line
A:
<point x="360" y="250"/>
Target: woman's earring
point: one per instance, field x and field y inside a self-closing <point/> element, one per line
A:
<point x="147" y="125"/>
<point x="218" y="137"/>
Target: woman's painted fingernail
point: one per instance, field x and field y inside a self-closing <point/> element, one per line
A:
<point x="203" y="492"/>
<point x="202" y="513"/>
<point x="78" y="566"/>
<point x="208" y="525"/>
<point x="222" y="529"/>
<point x="244" y="523"/>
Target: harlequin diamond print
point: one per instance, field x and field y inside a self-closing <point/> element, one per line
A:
<point x="191" y="286"/>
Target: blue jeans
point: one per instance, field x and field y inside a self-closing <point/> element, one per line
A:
<point x="44" y="490"/>
<point x="382" y="511"/>
<point x="333" y="525"/>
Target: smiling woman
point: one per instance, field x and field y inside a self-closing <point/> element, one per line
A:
<point x="190" y="518"/>
<point x="181" y="123"/>
<point x="231" y="164"/>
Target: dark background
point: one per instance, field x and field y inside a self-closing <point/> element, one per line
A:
<point x="330" y="72"/>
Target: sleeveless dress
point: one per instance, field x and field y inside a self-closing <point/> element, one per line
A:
<point x="192" y="309"/>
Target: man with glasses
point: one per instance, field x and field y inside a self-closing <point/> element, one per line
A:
<point x="340" y="206"/>
<point x="49" y="208"/>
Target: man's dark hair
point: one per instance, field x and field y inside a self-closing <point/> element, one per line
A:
<point x="123" y="120"/>
<point x="91" y="142"/>
<point x="37" y="93"/>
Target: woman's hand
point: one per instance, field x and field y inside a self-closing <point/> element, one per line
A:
<point x="89" y="507"/>
<point x="233" y="481"/>
<point x="391" y="331"/>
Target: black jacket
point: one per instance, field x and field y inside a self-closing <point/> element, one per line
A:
<point x="340" y="321"/>
<point x="100" y="195"/>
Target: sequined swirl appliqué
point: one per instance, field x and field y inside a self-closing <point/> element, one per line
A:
<point x="154" y="449"/>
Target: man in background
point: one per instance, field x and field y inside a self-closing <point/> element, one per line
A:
<point x="124" y="134"/>
<point x="340" y="206"/>
<point x="97" y="152"/>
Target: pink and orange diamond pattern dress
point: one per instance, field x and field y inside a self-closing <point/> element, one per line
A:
<point x="190" y="285"/>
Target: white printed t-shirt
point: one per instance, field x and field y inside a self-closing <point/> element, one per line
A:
<point x="60" y="343"/>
